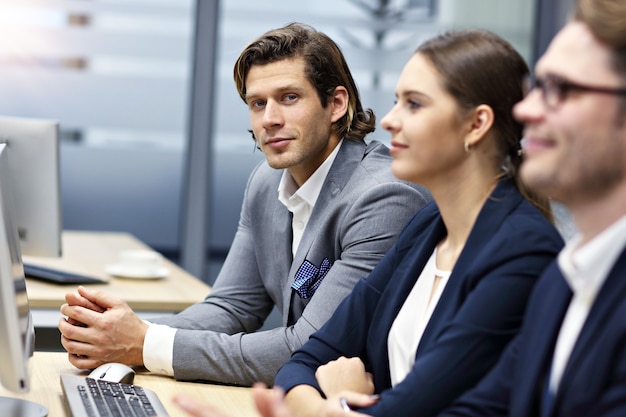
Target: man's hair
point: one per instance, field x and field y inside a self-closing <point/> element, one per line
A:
<point x="479" y="67"/>
<point x="325" y="68"/>
<point x="607" y="21"/>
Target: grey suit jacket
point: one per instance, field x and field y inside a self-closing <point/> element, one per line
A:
<point x="356" y="219"/>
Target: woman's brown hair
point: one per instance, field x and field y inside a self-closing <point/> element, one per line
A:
<point x="479" y="67"/>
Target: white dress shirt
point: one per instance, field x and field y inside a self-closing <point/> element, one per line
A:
<point x="409" y="325"/>
<point x="158" y="345"/>
<point x="300" y="201"/>
<point x="585" y="269"/>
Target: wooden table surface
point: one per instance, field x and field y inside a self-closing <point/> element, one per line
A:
<point x="46" y="368"/>
<point x="90" y="252"/>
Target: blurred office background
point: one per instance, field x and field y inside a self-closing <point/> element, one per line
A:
<point x="154" y="135"/>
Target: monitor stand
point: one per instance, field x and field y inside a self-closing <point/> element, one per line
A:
<point x="15" y="407"/>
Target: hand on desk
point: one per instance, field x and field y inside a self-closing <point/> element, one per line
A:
<point x="344" y="374"/>
<point x="100" y="329"/>
<point x="269" y="403"/>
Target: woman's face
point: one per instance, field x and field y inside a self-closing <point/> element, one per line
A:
<point x="427" y="130"/>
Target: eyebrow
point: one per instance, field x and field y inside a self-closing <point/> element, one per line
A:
<point x="408" y="93"/>
<point x="281" y="90"/>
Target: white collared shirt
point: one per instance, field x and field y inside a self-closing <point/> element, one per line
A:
<point x="408" y="327"/>
<point x="300" y="201"/>
<point x="158" y="345"/>
<point x="585" y="269"/>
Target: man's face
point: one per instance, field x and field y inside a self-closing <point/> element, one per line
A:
<point x="575" y="152"/>
<point x="289" y="123"/>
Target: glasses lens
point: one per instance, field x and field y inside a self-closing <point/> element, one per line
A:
<point x="552" y="91"/>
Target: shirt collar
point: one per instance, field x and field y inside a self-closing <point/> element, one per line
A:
<point x="585" y="268"/>
<point x="309" y="191"/>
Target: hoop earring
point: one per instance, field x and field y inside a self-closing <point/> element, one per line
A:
<point x="466" y="146"/>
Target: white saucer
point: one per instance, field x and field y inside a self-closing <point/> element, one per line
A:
<point x="123" y="271"/>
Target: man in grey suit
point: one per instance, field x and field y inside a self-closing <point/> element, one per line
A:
<point x="317" y="215"/>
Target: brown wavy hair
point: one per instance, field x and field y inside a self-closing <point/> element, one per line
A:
<point x="325" y="68"/>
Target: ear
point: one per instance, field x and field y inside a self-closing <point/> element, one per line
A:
<point x="339" y="103"/>
<point x="482" y="119"/>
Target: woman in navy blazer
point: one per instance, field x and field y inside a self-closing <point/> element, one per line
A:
<point x="487" y="238"/>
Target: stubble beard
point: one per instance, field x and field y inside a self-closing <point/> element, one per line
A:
<point x="583" y="178"/>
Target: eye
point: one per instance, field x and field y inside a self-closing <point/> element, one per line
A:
<point x="290" y="97"/>
<point x="255" y="104"/>
<point x="413" y="104"/>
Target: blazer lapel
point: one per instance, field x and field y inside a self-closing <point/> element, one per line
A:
<point x="414" y="253"/>
<point x="282" y="221"/>
<point x="540" y="331"/>
<point x="610" y="295"/>
<point x="502" y="201"/>
<point x="408" y="271"/>
<point x="345" y="163"/>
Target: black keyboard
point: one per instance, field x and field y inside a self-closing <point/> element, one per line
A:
<point x="59" y="277"/>
<point x="88" y="397"/>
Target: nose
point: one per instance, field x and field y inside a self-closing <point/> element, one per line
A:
<point x="389" y="122"/>
<point x="530" y="108"/>
<point x="272" y="116"/>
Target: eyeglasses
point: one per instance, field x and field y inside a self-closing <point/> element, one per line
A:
<point x="554" y="89"/>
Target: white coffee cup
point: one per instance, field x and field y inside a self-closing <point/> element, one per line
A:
<point x="140" y="261"/>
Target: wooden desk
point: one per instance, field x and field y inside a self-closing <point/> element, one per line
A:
<point x="46" y="368"/>
<point x="90" y="252"/>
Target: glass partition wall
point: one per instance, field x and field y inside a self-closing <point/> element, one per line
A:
<point x="119" y="76"/>
<point x="116" y="76"/>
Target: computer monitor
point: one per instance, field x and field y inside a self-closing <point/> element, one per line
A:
<point x="33" y="146"/>
<point x="17" y="333"/>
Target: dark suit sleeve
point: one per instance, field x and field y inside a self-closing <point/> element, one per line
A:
<point x="346" y="332"/>
<point x="489" y="313"/>
<point x="469" y="344"/>
<point x="612" y="400"/>
<point x="491" y="396"/>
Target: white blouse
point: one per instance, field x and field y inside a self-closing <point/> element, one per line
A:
<point x="408" y="327"/>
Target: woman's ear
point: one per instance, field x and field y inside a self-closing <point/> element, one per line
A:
<point x="481" y="121"/>
<point x="339" y="103"/>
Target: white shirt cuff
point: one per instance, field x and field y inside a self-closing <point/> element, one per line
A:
<point x="158" y="349"/>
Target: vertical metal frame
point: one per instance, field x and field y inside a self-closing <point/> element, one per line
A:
<point x="550" y="16"/>
<point x="197" y="186"/>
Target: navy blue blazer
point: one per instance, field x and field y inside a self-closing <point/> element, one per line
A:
<point x="479" y="312"/>
<point x="594" y="381"/>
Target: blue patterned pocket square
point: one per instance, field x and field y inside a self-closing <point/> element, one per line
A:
<point x="309" y="277"/>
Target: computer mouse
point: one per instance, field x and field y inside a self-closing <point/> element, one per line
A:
<point x="114" y="372"/>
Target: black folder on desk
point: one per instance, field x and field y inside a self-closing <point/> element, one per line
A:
<point x="57" y="276"/>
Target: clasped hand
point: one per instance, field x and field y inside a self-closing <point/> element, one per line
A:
<point x="98" y="328"/>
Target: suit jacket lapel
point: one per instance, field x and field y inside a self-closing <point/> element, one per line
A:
<point x="346" y="162"/>
<point x="281" y="218"/>
<point x="408" y="271"/>
<point x="611" y="294"/>
<point x="414" y="253"/>
<point x="540" y="331"/>
<point x="502" y="201"/>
